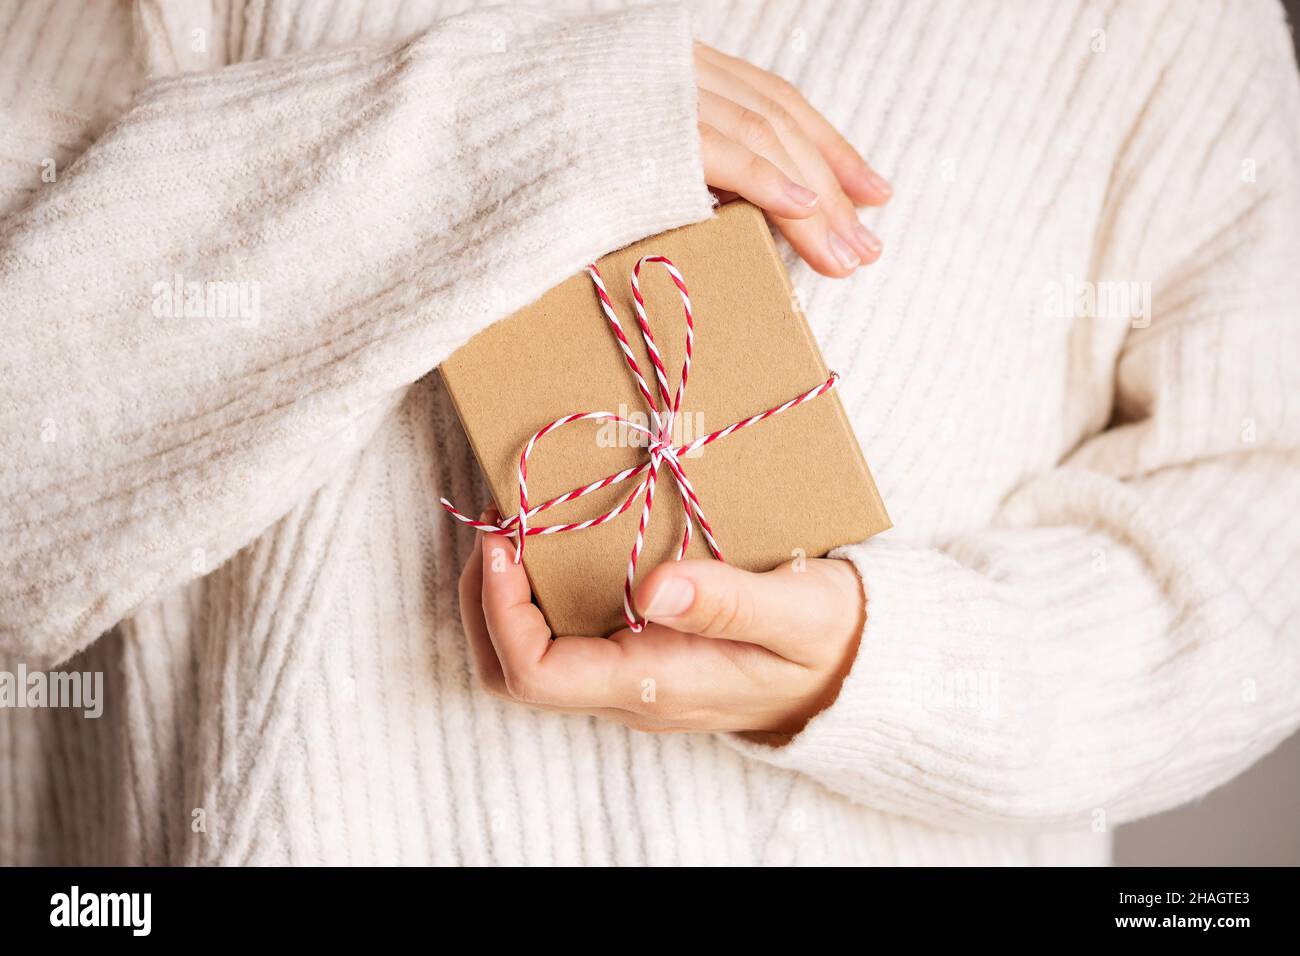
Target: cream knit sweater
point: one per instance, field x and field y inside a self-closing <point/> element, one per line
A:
<point x="1087" y="610"/>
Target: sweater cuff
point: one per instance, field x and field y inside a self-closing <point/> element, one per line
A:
<point x="1018" y="678"/>
<point x="920" y="711"/>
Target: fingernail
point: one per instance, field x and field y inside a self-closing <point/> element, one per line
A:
<point x="879" y="182"/>
<point x="673" y="597"/>
<point x="846" y="256"/>
<point x="867" y="238"/>
<point x="800" y="195"/>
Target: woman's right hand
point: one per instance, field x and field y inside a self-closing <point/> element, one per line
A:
<point x="761" y="140"/>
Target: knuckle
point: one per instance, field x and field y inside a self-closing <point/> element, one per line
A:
<point x="755" y="130"/>
<point x="784" y="91"/>
<point x="839" y="207"/>
<point x="779" y="117"/>
<point x="760" y="171"/>
<point x="840" y="149"/>
<point x="727" y="613"/>
<point x="521" y="685"/>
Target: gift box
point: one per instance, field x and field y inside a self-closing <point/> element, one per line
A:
<point x="755" y="463"/>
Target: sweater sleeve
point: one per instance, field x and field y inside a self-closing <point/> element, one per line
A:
<point x="218" y="301"/>
<point x="1125" y="635"/>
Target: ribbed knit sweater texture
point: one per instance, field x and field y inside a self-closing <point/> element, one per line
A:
<point x="1087" y="608"/>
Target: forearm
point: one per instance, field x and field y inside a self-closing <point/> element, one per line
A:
<point x="370" y="209"/>
<point x="1039" y="675"/>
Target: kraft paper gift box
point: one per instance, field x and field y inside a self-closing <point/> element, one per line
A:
<point x="792" y="486"/>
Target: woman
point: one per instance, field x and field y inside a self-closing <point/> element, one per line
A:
<point x="1082" y="615"/>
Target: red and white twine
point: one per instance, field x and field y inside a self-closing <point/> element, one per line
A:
<point x="661" y="451"/>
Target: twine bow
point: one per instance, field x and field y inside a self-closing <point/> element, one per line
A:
<point x="660" y="448"/>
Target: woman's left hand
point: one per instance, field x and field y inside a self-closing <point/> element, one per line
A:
<point x="726" y="649"/>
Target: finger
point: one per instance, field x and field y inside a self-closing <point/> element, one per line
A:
<point x="757" y="133"/>
<point x="854" y="173"/>
<point x="730" y="165"/>
<point x="579" y="674"/>
<point x="487" y="666"/>
<point x="848" y="242"/>
<point x="515" y="625"/>
<point x="685" y="679"/>
<point x="537" y="687"/>
<point x="794" y="613"/>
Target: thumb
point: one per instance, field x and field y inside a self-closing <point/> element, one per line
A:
<point x="777" y="609"/>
